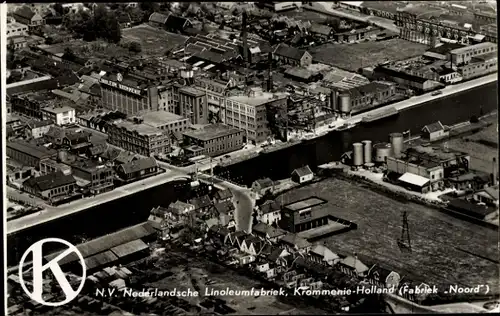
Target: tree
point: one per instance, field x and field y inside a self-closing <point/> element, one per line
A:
<point x="58" y="8"/>
<point x="135" y="47"/>
<point x="69" y="52"/>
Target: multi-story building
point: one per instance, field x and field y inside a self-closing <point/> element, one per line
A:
<point x="429" y="170"/>
<point x="292" y="56"/>
<point x="36" y="129"/>
<point x="166" y="121"/>
<point x="28" y="154"/>
<point x="490" y="32"/>
<point x="135" y="136"/>
<point x="99" y="177"/>
<point x="61" y="115"/>
<point x="303" y="215"/>
<point x="215" y="139"/>
<point x="16" y="29"/>
<point x="26" y="16"/>
<point x="464" y="55"/>
<point x="479" y="66"/>
<point x="372" y="94"/>
<point x="250" y="113"/>
<point x="50" y="186"/>
<point x="128" y="94"/>
<point x="193" y="105"/>
<point x="30" y="105"/>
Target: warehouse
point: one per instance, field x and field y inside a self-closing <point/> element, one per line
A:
<point x="303" y="215"/>
<point x="216" y="139"/>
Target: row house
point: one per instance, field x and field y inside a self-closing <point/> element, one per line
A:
<point x="268" y="232"/>
<point x="352" y="266"/>
<point x="225" y="211"/>
<point x="223" y="196"/>
<point x="269" y="212"/>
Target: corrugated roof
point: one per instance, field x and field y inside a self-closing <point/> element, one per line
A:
<point x="36" y="151"/>
<point x="289" y="52"/>
<point x="414" y="179"/>
<point x="129" y="248"/>
<point x="100" y="260"/>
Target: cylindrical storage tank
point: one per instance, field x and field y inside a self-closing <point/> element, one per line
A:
<point x="397" y="144"/>
<point x="382" y="151"/>
<point x="334" y="101"/>
<point x="345" y="103"/>
<point x="367" y="151"/>
<point x="357" y="154"/>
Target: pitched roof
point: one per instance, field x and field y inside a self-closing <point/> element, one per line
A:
<point x="294" y="240"/>
<point x="37" y="124"/>
<point x="158" y="18"/>
<point x="434" y="127"/>
<point x="49" y="181"/>
<point x="224" y="194"/>
<point x="323" y="252"/>
<point x="355" y="263"/>
<point x="224" y="207"/>
<point x="275" y="254"/>
<point x="138" y="165"/>
<point x="320" y="29"/>
<point x="25" y="12"/>
<point x="98" y="148"/>
<point x="378" y="270"/>
<point x="201" y="202"/>
<point x="176" y="22"/>
<point x="179" y="205"/>
<point x="270" y="206"/>
<point x="265" y="183"/>
<point x="303" y="171"/>
<point x="289" y="52"/>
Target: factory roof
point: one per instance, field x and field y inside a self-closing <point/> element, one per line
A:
<point x="140" y="128"/>
<point x="289" y="52"/>
<point x="306" y="203"/>
<point x="466" y="49"/>
<point x="400" y="74"/>
<point x="31" y="149"/>
<point x="258" y="98"/>
<point x="49" y="181"/>
<point x="414" y="179"/>
<point x="160" y="118"/>
<point x="485" y="57"/>
<point x="107" y="242"/>
<point x="471" y="208"/>
<point x="100" y="259"/>
<point x="211" y="132"/>
<point x="138" y="165"/>
<point x="128" y="248"/>
<point x="445" y="48"/>
<point x="320" y="29"/>
<point x="299" y="72"/>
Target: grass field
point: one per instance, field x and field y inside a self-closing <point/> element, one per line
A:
<point x="440" y="243"/>
<point x="153" y="41"/>
<point x="354" y="56"/>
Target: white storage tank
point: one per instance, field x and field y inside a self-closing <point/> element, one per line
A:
<point x="367" y="151"/>
<point x="357" y="154"/>
<point x="397" y="143"/>
<point x="345" y="103"/>
<point x="382" y="151"/>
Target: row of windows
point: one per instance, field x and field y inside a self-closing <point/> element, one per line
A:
<point x="480" y="51"/>
<point x="60" y="190"/>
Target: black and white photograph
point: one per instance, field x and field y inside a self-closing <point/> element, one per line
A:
<point x="250" y="158"/>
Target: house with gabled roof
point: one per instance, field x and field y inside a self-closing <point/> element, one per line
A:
<point x="25" y="15"/>
<point x="202" y="203"/>
<point x="158" y="19"/>
<point x="268" y="232"/>
<point x="236" y="238"/>
<point x="434" y="131"/>
<point x="323" y="255"/>
<point x="269" y="212"/>
<point x="292" y="56"/>
<point x="252" y="245"/>
<point x="302" y="174"/>
<point x="225" y="213"/>
<point x="223" y="195"/>
<point x="293" y="243"/>
<point x="352" y="266"/>
<point x="137" y="169"/>
<point x="383" y="277"/>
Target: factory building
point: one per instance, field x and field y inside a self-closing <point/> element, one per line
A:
<point x="432" y="171"/>
<point x="97" y="178"/>
<point x="27" y="153"/>
<point x="193" y="105"/>
<point x="127" y="94"/>
<point x="371" y="94"/>
<point x="464" y="55"/>
<point x="451" y="161"/>
<point x="135" y="136"/>
<point x="303" y="215"/>
<point x="215" y="139"/>
<point x="416" y="83"/>
<point x="51" y="186"/>
<point x="479" y="66"/>
<point x="249" y="113"/>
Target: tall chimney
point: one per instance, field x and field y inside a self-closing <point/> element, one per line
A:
<point x="270" y="74"/>
<point x="495" y="172"/>
<point x="245" y="43"/>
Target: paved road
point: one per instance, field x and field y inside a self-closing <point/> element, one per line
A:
<point x="51" y="213"/>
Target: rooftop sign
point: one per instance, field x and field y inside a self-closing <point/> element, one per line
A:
<point x="120" y="86"/>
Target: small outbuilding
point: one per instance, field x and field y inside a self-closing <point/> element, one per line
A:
<point x="434" y="131"/>
<point x="302" y="175"/>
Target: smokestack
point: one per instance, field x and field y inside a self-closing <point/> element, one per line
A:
<point x="270" y="74"/>
<point x="245" y="42"/>
<point x="495" y="172"/>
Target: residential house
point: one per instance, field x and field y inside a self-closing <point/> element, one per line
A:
<point x="97" y="150"/>
<point x="202" y="204"/>
<point x="488" y="196"/>
<point x="36" y="129"/>
<point x="293" y="243"/>
<point x="158" y="220"/>
<point x="235" y="239"/>
<point x="352" y="266"/>
<point x="223" y="195"/>
<point x="268" y="232"/>
<point x="261" y="186"/>
<point x="77" y="141"/>
<point x="322" y="255"/>
<point x="269" y="212"/>
<point x="219" y="234"/>
<point x="177" y="24"/>
<point x="17" y="42"/>
<point x="292" y="56"/>
<point x="182" y="207"/>
<point x="225" y="212"/>
<point x="434" y="131"/>
<point x="61" y="115"/>
<point x="94" y="176"/>
<point x="51" y="186"/>
<point x="26" y="16"/>
<point x="265" y="268"/>
<point x="320" y="30"/>
<point x="137" y="169"/>
<point x="158" y="19"/>
<point x="302" y="175"/>
<point x="252" y="245"/>
<point x="277" y="257"/>
<point x="381" y="277"/>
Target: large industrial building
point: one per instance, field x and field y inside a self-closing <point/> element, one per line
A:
<point x="303" y="215"/>
<point x="215" y="139"/>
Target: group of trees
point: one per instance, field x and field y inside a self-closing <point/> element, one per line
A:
<point x="99" y="24"/>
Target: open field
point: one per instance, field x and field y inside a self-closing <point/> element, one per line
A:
<point x="489" y="135"/>
<point x="153" y="41"/>
<point x="191" y="272"/>
<point x="440" y="243"/>
<point x="354" y="56"/>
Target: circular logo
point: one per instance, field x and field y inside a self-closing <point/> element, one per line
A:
<point x="119" y="77"/>
<point x="38" y="269"/>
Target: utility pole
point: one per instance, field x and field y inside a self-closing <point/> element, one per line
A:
<point x="404" y="242"/>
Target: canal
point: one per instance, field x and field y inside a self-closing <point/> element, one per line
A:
<point x="280" y="164"/>
<point x="118" y="214"/>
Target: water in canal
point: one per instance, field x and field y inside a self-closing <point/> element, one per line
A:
<point x="110" y="217"/>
